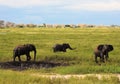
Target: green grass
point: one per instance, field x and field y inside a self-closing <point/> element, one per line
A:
<point x="81" y="59"/>
<point x="13" y="77"/>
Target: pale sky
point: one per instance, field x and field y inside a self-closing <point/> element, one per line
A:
<point x="99" y="12"/>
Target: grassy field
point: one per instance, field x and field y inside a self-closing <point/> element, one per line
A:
<point x="80" y="60"/>
<point x="13" y="77"/>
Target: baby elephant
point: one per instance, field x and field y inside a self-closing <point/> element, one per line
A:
<point x="24" y="50"/>
<point x="102" y="51"/>
<point x="61" y="47"/>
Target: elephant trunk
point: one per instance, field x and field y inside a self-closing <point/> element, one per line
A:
<point x="71" y="48"/>
<point x="35" y="54"/>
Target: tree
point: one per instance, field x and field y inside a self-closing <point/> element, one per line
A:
<point x="2" y="24"/>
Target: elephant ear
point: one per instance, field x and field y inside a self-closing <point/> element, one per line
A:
<point x="110" y="47"/>
<point x="100" y="47"/>
<point x="66" y="45"/>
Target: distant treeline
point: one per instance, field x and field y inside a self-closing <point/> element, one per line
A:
<point x="4" y="24"/>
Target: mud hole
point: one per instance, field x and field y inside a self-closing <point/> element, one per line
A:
<point x="29" y="65"/>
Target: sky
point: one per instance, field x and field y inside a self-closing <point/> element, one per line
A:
<point x="98" y="12"/>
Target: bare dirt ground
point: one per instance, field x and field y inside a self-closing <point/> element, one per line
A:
<point x="27" y="65"/>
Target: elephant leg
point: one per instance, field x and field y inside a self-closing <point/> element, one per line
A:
<point x="14" y="58"/>
<point x="19" y="58"/>
<point x="28" y="57"/>
<point x="64" y="50"/>
<point x="102" y="59"/>
<point x="106" y="56"/>
<point x="54" y="50"/>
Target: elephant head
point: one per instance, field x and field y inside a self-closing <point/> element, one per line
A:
<point x="105" y="48"/>
<point x="31" y="47"/>
<point x="24" y="50"/>
<point x="62" y="47"/>
<point x="102" y="51"/>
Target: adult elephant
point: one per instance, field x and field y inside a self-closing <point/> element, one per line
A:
<point x="102" y="51"/>
<point x="61" y="47"/>
<point x="24" y="50"/>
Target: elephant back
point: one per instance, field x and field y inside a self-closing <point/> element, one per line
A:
<point x="19" y="50"/>
<point x="100" y="47"/>
<point x="57" y="46"/>
<point x="30" y="47"/>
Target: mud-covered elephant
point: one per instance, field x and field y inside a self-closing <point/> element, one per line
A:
<point x="102" y="51"/>
<point x="24" y="50"/>
<point x="61" y="47"/>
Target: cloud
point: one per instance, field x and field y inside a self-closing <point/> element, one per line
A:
<point x="26" y="3"/>
<point x="93" y="5"/>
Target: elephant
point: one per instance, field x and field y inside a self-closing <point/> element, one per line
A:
<point x="24" y="50"/>
<point x="102" y="51"/>
<point x="61" y="47"/>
